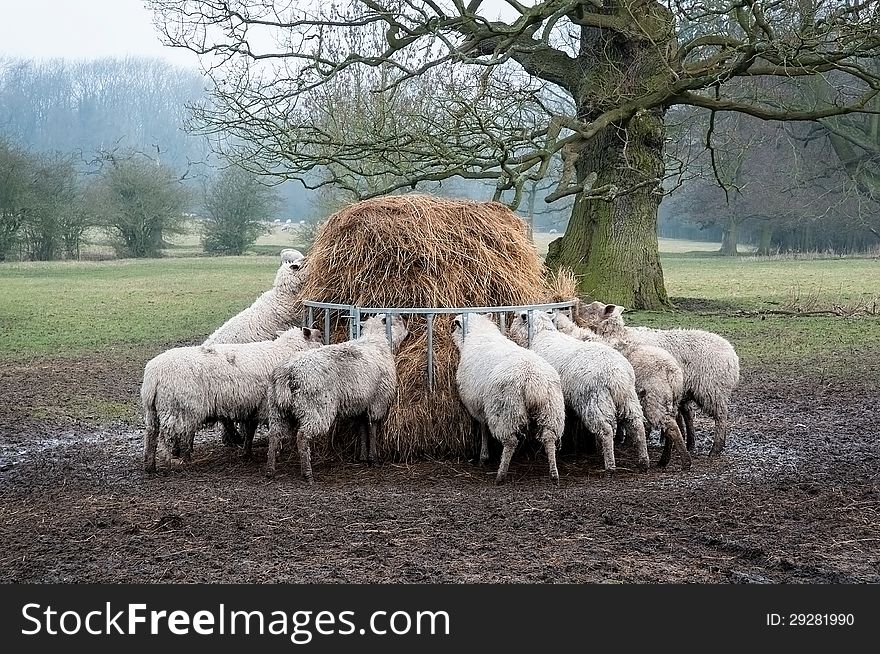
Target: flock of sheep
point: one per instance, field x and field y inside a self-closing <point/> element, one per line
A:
<point x="620" y="381"/>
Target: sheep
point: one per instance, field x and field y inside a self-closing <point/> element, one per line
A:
<point x="507" y="389"/>
<point x="288" y="256"/>
<point x="659" y="385"/>
<point x="312" y="390"/>
<point x="708" y="361"/>
<point x="186" y="387"/>
<point x="598" y="383"/>
<point x="273" y="311"/>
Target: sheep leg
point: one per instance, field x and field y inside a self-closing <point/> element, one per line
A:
<point x="673" y="437"/>
<point x="605" y="437"/>
<point x="363" y="430"/>
<point x="721" y="427"/>
<point x="679" y="421"/>
<point x="374" y="428"/>
<point x="636" y="429"/>
<point x="278" y="429"/>
<point x="250" y="428"/>
<point x="305" y="456"/>
<point x="509" y="444"/>
<point x="230" y="434"/>
<point x="484" y="444"/>
<point x="687" y="411"/>
<point x="151" y="442"/>
<point x="549" y="440"/>
<point x="189" y="437"/>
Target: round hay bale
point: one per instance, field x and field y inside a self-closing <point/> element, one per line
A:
<point x="424" y="251"/>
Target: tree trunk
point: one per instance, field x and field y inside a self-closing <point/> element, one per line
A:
<point x="730" y="238"/>
<point x="611" y="245"/>
<point x="764" y="242"/>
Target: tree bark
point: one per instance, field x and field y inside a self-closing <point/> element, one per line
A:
<point x="611" y="245"/>
<point x="730" y="238"/>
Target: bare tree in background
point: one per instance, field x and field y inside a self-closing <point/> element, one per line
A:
<point x="775" y="186"/>
<point x="15" y="168"/>
<point x="140" y="202"/>
<point x="620" y="63"/>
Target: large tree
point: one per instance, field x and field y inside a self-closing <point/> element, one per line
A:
<point x="517" y="85"/>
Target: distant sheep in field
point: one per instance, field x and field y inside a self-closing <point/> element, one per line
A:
<point x="659" y="384"/>
<point x="187" y="387"/>
<point x="708" y="361"/>
<point x="508" y="390"/>
<point x="312" y="390"/>
<point x="598" y="383"/>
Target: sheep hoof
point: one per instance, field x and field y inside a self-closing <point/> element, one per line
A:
<point x="609" y="473"/>
<point x="555" y="481"/>
<point x="499" y="481"/>
<point x="715" y="451"/>
<point x="270" y="473"/>
<point x="644" y="465"/>
<point x="309" y="481"/>
<point x="247" y="454"/>
<point x="685" y="465"/>
<point x="663" y="462"/>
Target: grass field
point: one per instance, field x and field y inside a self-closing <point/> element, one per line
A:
<point x="75" y="308"/>
<point x="189" y="244"/>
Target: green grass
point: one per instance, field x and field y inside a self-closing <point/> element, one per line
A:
<point x="189" y="244"/>
<point x="756" y="282"/>
<point x="76" y="308"/>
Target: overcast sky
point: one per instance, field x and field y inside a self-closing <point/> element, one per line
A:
<point x="82" y="29"/>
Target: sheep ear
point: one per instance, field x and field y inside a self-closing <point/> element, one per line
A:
<point x="613" y="311"/>
<point x="279" y="333"/>
<point x="490" y="316"/>
<point x="384" y="318"/>
<point x="307" y="333"/>
<point x="524" y="315"/>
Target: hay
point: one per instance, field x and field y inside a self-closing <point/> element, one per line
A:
<point x="423" y="251"/>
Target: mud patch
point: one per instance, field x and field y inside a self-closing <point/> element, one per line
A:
<point x="795" y="498"/>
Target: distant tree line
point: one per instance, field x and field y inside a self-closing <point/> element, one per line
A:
<point x="50" y="202"/>
<point x="777" y="187"/>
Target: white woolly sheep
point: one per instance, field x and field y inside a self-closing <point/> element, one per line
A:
<point x="187" y="387"/>
<point x="312" y="390"/>
<point x="659" y="384"/>
<point x="288" y="256"/>
<point x="507" y="390"/>
<point x="708" y="361"/>
<point x="598" y="383"/>
<point x="273" y="311"/>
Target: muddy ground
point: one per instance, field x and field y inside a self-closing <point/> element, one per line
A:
<point x="795" y="498"/>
